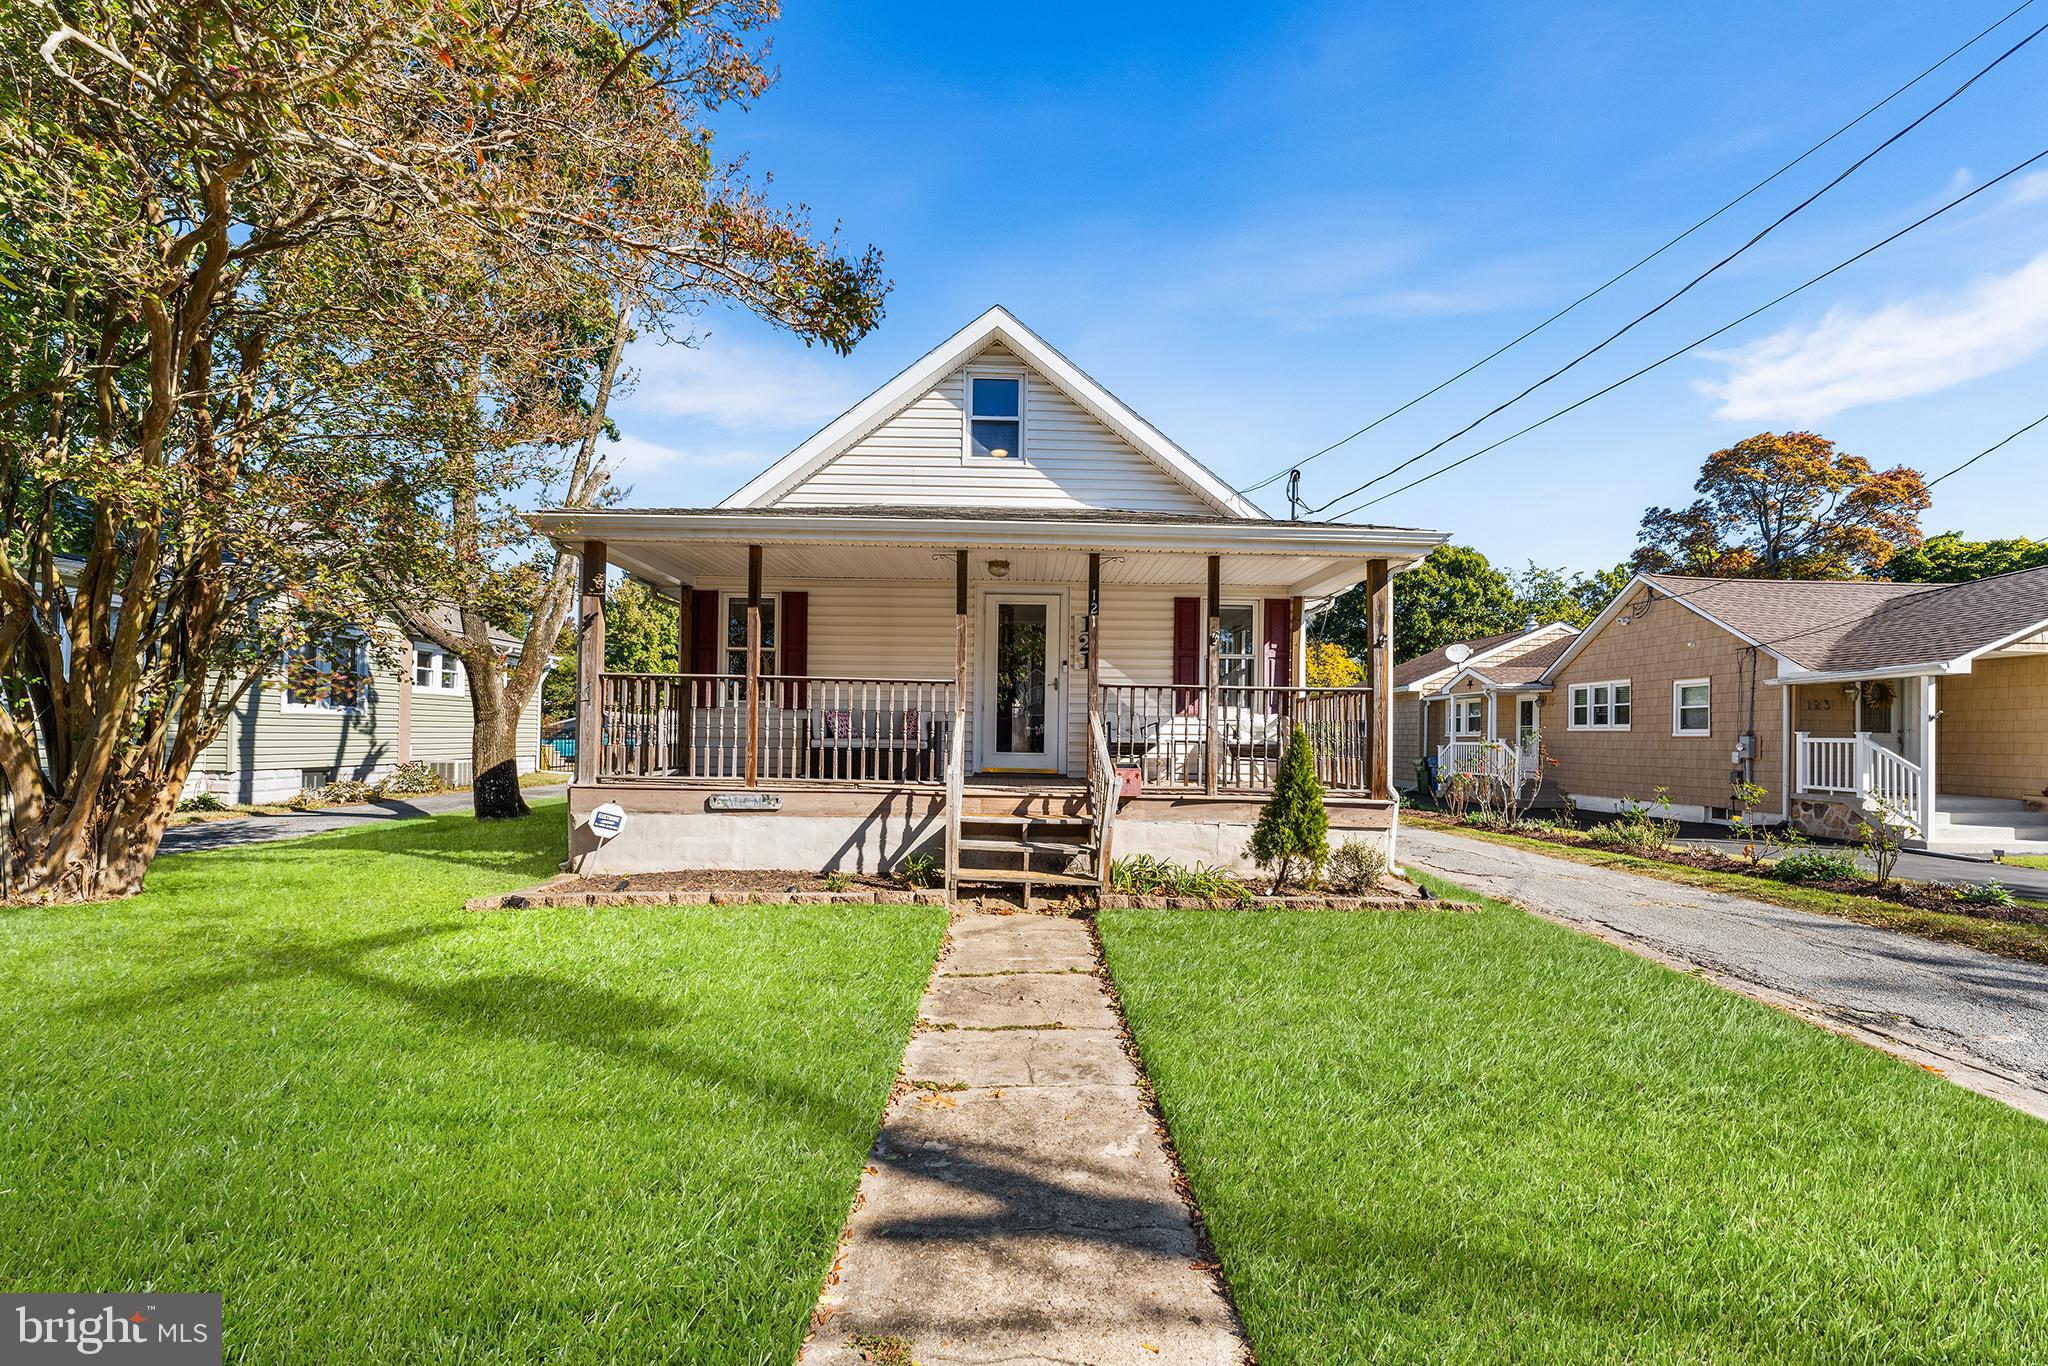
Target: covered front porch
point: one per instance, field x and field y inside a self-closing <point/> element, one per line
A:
<point x="1939" y="754"/>
<point x="885" y="670"/>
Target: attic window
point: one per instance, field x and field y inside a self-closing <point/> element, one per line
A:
<point x="995" y="417"/>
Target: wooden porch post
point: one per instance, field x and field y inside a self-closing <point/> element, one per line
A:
<point x="589" y="659"/>
<point x="1094" y="649"/>
<point x="1215" y="667"/>
<point x="753" y="666"/>
<point x="686" y="599"/>
<point x="960" y="642"/>
<point x="1379" y="588"/>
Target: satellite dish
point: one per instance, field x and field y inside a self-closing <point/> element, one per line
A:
<point x="1457" y="652"/>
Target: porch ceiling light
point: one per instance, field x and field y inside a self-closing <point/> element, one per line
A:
<point x="999" y="569"/>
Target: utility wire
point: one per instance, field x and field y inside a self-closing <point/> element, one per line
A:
<point x="1989" y="449"/>
<point x="1670" y="299"/>
<point x="1701" y="341"/>
<point x="1602" y="288"/>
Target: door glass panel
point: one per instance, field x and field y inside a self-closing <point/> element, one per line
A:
<point x="1020" y="677"/>
<point x="1236" y="647"/>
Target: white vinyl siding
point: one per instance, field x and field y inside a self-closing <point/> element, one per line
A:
<point x="1071" y="460"/>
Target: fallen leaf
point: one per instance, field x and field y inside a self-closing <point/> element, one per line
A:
<point x="1148" y="1347"/>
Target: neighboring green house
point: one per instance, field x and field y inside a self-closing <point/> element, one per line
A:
<point x="406" y="702"/>
<point x="354" y="719"/>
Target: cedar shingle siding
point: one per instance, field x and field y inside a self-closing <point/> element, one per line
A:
<point x="1992" y="740"/>
<point x="1656" y="649"/>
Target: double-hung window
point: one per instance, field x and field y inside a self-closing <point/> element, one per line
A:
<point x="1692" y="707"/>
<point x="995" y="417"/>
<point x="736" y="635"/>
<point x="1468" y="716"/>
<point x="1237" y="647"/>
<point x="435" y="670"/>
<point x="326" y="676"/>
<point x="1601" y="706"/>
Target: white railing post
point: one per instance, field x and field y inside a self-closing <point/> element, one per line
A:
<point x="1859" y="776"/>
<point x="1801" y="761"/>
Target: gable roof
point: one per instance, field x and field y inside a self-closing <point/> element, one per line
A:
<point x="1521" y="663"/>
<point x="1816" y="627"/>
<point x="995" y="325"/>
<point x="1424" y="667"/>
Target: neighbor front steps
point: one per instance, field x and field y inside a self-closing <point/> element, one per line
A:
<point x="1980" y="825"/>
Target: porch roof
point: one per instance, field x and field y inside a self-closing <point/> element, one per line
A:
<point x="670" y="547"/>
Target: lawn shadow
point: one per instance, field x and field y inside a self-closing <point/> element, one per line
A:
<point x="518" y="1006"/>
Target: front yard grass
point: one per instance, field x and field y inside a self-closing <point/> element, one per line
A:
<point x="391" y="1130"/>
<point x="2014" y="939"/>
<point x="1474" y="1136"/>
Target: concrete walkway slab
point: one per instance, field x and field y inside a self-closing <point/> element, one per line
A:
<point x="1031" y="1215"/>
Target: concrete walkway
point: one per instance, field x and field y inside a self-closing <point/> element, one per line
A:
<point x="1975" y="1017"/>
<point x="1032" y="1216"/>
<point x="231" y="834"/>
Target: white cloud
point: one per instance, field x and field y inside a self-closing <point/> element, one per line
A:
<point x="631" y="457"/>
<point x="1848" y="359"/>
<point x="733" y="384"/>
<point x="2031" y="189"/>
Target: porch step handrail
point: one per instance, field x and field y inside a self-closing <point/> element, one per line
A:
<point x="1857" y="766"/>
<point x="956" y="779"/>
<point x="1105" y="787"/>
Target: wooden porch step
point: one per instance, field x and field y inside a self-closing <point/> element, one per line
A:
<point x="1028" y="846"/>
<point x="1025" y="822"/>
<point x="1026" y="877"/>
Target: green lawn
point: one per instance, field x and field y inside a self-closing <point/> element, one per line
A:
<point x="1478" y="1136"/>
<point x="391" y="1130"/>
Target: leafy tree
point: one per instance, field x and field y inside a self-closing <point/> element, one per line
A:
<point x="1785" y="506"/>
<point x="640" y="630"/>
<point x="1454" y="594"/>
<point x="1293" y="833"/>
<point x="1546" y="595"/>
<point x="1948" y="558"/>
<point x="1331" y="666"/>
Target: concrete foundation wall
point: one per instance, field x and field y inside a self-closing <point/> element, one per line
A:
<point x="664" y="832"/>
<point x="1220" y="844"/>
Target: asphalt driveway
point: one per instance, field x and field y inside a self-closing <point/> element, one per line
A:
<point x="1978" y="1017"/>
<point x="231" y="834"/>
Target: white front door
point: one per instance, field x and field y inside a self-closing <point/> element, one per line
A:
<point x="1023" y="709"/>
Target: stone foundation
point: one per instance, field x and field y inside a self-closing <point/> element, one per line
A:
<point x="1823" y="819"/>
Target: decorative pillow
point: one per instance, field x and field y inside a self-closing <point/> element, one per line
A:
<point x="910" y="723"/>
<point x="838" y="724"/>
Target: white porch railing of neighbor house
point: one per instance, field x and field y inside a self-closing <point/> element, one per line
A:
<point x="1493" y="759"/>
<point x="1165" y="732"/>
<point x="1858" y="766"/>
<point x="852" y="730"/>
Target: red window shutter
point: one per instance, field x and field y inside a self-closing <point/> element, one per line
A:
<point x="794" y="641"/>
<point x="1187" y="653"/>
<point x="1279" y="659"/>
<point x="707" y="624"/>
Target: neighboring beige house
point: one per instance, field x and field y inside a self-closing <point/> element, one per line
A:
<point x="989" y="611"/>
<point x="361" y="719"/>
<point x="1929" y="699"/>
<point x="1475" y="701"/>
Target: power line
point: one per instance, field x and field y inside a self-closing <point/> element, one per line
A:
<point x="1701" y="341"/>
<point x="1989" y="449"/>
<point x="1672" y="298"/>
<point x="1601" y="288"/>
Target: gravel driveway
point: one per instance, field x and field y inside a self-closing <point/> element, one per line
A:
<point x="1977" y="1017"/>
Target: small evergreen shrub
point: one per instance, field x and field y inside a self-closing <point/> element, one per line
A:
<point x="1815" y="865"/>
<point x="1293" y="833"/>
<point x="412" y="779"/>
<point x="203" y="801"/>
<point x="1357" y="867"/>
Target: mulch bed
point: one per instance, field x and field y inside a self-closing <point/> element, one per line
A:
<point x="712" y="887"/>
<point x="1919" y="896"/>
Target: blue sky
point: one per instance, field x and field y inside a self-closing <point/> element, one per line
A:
<point x="1263" y="226"/>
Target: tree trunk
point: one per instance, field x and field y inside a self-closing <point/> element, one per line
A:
<point x="494" y="750"/>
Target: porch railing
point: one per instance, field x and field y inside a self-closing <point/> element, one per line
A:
<point x="827" y="729"/>
<point x="1496" y="760"/>
<point x="1858" y="766"/>
<point x="1165" y="731"/>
